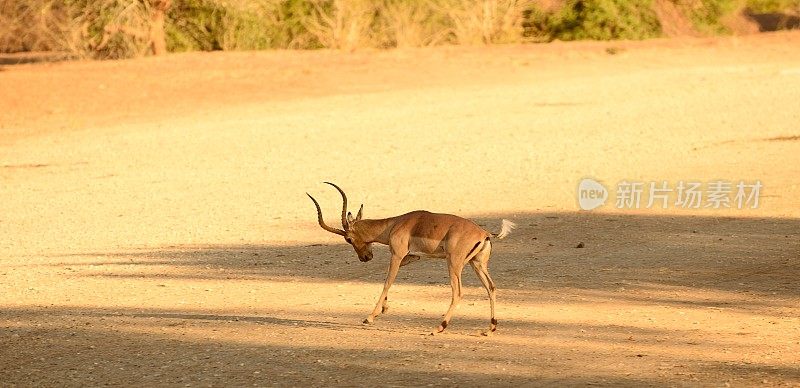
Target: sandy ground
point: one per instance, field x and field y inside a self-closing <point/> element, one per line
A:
<point x="155" y="228"/>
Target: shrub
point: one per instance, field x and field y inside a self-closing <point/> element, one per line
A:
<point x="707" y="15"/>
<point x="768" y="6"/>
<point x="597" y="19"/>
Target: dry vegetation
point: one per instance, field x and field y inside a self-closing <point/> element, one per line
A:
<point x="120" y="28"/>
<point x="124" y="28"/>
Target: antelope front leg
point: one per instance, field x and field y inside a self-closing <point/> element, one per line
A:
<point x="381" y="306"/>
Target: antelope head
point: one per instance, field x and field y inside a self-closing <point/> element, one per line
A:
<point x="349" y="227"/>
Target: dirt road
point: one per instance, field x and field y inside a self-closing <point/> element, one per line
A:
<point x="155" y="228"/>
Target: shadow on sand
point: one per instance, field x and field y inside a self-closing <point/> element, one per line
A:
<point x="124" y="346"/>
<point x="738" y="255"/>
<point x="751" y="261"/>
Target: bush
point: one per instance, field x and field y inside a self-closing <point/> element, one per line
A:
<point x="108" y="29"/>
<point x="239" y="25"/>
<point x="707" y="15"/>
<point x="597" y="19"/>
<point x="768" y="6"/>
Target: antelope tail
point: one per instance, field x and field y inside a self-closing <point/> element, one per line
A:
<point x="505" y="229"/>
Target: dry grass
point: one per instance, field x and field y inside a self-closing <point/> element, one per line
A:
<point x="351" y="24"/>
<point x="106" y="29"/>
<point x="122" y="28"/>
<point x="342" y="24"/>
<point x="413" y="24"/>
<point x="487" y="21"/>
<point x="32" y="26"/>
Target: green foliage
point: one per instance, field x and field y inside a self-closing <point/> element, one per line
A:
<point x="599" y="20"/>
<point x="243" y="25"/>
<point x="707" y="15"/>
<point x="194" y="25"/>
<point x="768" y="6"/>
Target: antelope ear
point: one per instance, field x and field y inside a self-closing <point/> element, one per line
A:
<point x="360" y="213"/>
<point x="350" y="217"/>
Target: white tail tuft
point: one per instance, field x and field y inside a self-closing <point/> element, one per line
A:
<point x="505" y="229"/>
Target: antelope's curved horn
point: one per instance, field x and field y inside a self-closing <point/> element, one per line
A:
<point x="344" y="204"/>
<point x="321" y="222"/>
